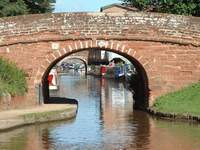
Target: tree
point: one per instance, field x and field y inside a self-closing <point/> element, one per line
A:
<point x="12" y="8"/>
<point x="140" y="4"/>
<point x="182" y="7"/>
<point x="20" y="7"/>
<point x="39" y="6"/>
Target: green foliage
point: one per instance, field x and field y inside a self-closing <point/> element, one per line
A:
<point x="140" y="4"/>
<point x="185" y="101"/>
<point x="12" y="80"/>
<point x="20" y="7"/>
<point x="182" y="7"/>
<point x="12" y="8"/>
<point x="39" y="6"/>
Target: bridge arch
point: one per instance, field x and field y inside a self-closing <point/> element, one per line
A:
<point x="142" y="96"/>
<point x="84" y="61"/>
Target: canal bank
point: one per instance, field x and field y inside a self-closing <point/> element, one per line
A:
<point x="174" y="116"/>
<point x="183" y="105"/>
<point x="44" y="113"/>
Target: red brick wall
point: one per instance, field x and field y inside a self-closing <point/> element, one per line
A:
<point x="167" y="46"/>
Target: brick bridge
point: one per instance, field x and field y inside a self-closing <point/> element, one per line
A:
<point x="81" y="56"/>
<point x="165" y="49"/>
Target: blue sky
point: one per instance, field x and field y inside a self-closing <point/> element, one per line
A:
<point x="81" y="5"/>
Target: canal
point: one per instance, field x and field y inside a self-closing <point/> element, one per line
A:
<point x="105" y="121"/>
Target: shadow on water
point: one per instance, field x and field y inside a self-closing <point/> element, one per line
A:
<point x="142" y="134"/>
<point x="62" y="100"/>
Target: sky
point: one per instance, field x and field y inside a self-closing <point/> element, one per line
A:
<point x="81" y="5"/>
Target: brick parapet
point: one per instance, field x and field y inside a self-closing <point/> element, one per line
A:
<point x="116" y="26"/>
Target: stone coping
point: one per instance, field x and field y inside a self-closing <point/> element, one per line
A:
<point x="40" y="114"/>
<point x="174" y="116"/>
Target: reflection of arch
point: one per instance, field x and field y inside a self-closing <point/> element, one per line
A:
<point x="78" y="58"/>
<point x="127" y="52"/>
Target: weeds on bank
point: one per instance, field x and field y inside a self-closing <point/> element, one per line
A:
<point x="12" y="79"/>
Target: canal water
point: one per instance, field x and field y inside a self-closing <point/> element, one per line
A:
<point x="105" y="121"/>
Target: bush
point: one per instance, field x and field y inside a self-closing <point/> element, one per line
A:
<point x="12" y="79"/>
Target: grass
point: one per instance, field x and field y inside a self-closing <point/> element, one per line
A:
<point x="184" y="101"/>
<point x="12" y="79"/>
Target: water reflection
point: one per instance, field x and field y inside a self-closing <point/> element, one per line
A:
<point x="105" y="120"/>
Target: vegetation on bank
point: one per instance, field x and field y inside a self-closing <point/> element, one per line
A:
<point x="181" y="7"/>
<point x="12" y="80"/>
<point x="185" y="101"/>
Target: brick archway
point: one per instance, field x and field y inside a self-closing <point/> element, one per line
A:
<point x="83" y="60"/>
<point x="75" y="46"/>
<point x="113" y="46"/>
